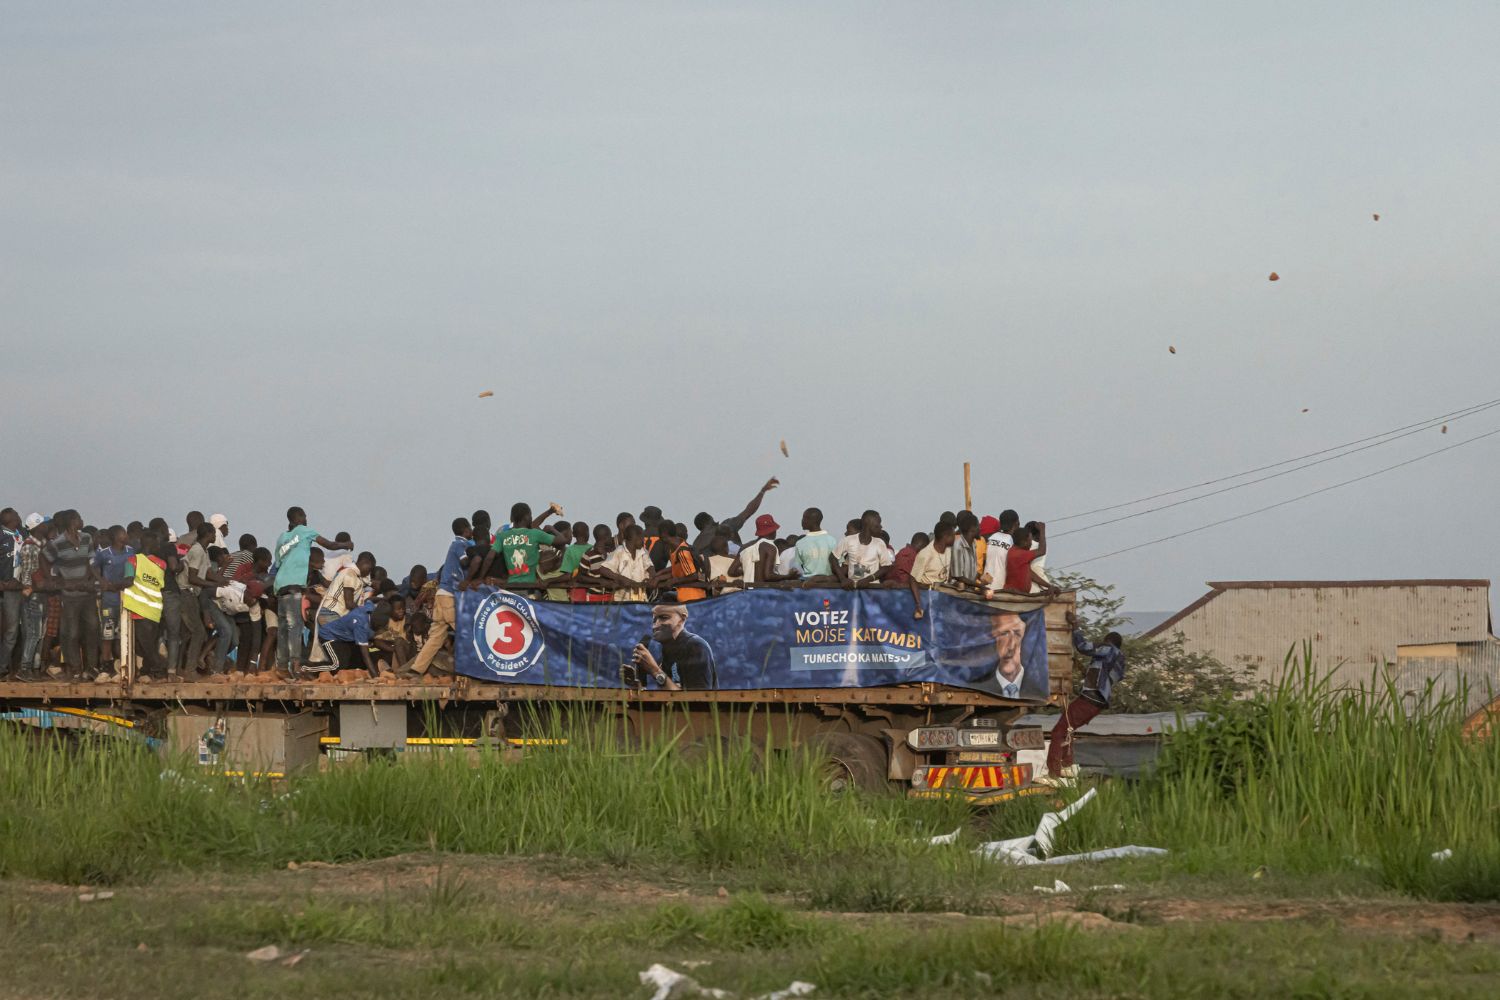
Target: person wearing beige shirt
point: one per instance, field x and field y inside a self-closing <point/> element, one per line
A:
<point x="932" y="566"/>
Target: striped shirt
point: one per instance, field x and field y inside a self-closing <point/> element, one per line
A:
<point x="70" y="561"/>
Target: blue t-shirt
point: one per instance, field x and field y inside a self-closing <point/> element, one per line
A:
<point x="353" y="627"/>
<point x="292" y="551"/>
<point x="452" y="573"/>
<point x="111" y="565"/>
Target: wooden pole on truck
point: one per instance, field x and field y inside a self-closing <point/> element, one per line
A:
<point x="968" y="489"/>
<point x="127" y="646"/>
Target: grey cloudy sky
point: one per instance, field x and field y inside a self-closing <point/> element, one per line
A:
<point x="254" y="255"/>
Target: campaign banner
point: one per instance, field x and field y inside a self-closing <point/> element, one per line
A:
<point x="765" y="638"/>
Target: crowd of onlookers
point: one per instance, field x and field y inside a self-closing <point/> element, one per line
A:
<point x="207" y="601"/>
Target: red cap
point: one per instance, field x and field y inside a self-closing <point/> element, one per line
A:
<point x="766" y="526"/>
<point x="988" y="525"/>
<point x="253" y="590"/>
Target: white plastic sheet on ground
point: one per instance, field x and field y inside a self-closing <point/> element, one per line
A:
<point x="673" y="985"/>
<point x="1022" y="850"/>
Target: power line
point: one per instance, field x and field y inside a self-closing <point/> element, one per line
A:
<point x="1467" y="411"/>
<point x="1262" y="479"/>
<point x="1283" y="503"/>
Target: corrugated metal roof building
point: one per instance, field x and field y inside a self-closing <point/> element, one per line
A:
<point x="1466" y="670"/>
<point x="1353" y="625"/>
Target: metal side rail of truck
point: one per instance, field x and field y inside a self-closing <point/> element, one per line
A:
<point x="930" y="738"/>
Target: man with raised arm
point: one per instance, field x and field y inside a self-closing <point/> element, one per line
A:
<point x="708" y="527"/>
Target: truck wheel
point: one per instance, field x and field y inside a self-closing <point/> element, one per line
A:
<point x="851" y="760"/>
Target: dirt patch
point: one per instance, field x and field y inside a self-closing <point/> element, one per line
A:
<point x="1444" y="921"/>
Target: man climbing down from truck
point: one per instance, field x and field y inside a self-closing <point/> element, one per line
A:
<point x="1106" y="669"/>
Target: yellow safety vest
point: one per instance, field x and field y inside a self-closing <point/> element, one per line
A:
<point x="143" y="596"/>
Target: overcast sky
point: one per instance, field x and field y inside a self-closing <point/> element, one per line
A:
<point x="266" y="254"/>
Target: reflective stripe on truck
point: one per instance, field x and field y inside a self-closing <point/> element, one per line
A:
<point x="971" y="778"/>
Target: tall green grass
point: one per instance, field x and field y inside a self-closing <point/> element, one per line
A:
<point x="90" y="813"/>
<point x="1299" y="780"/>
<point x="1305" y="778"/>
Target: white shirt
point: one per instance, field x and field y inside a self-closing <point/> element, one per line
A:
<point x="635" y="567"/>
<point x="788" y="561"/>
<point x="994" y="558"/>
<point x="719" y="566"/>
<point x="1038" y="568"/>
<point x="861" y="560"/>
<point x="750" y="557"/>
<point x="332" y="564"/>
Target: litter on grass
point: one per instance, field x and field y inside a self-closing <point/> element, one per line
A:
<point x="1059" y="888"/>
<point x="673" y="985"/>
<point x="269" y="953"/>
<point x="89" y="897"/>
<point x="1023" y="850"/>
<point x="943" y="838"/>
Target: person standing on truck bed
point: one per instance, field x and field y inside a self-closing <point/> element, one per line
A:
<point x="11" y="542"/>
<point x="708" y="527"/>
<point x="996" y="533"/>
<point x="628" y="567"/>
<point x="687" y="660"/>
<point x="1019" y="572"/>
<point x="70" y="555"/>
<point x="292" y="551"/>
<point x="815" y="549"/>
<point x="862" y="558"/>
<point x="758" y="559"/>
<point x="450" y="581"/>
<point x="1106" y="669"/>
<point x="933" y="565"/>
<point x="518" y="546"/>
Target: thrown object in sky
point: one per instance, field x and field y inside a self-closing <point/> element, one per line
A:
<point x="486" y="394"/>
<point x="1445" y="428"/>
<point x="1171" y="349"/>
<point x="1304" y="409"/>
<point x="784" y="452"/>
<point x="1274" y="277"/>
<point x="1376" y="216"/>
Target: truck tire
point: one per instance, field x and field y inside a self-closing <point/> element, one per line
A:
<point x="851" y="760"/>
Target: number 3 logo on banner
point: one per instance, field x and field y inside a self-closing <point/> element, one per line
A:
<point x="510" y="632"/>
<point x="507" y="638"/>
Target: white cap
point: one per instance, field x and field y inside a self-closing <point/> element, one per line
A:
<point x="33" y="521"/>
<point x="171" y="535"/>
<point x="218" y="520"/>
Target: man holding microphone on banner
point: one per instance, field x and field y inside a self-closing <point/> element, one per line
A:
<point x="683" y="654"/>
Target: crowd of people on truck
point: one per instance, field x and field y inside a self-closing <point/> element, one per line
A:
<point x="210" y="602"/>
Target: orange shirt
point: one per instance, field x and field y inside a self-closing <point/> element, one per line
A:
<point x="683" y="566"/>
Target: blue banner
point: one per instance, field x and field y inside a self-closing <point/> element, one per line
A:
<point x="753" y="639"/>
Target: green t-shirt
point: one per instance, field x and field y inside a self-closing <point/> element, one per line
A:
<point x="518" y="547"/>
<point x="572" y="558"/>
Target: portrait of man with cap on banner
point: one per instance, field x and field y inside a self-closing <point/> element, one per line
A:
<point x="686" y="661"/>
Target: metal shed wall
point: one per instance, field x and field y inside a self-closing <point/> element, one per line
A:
<point x="1354" y="625"/>
<point x="1467" y="669"/>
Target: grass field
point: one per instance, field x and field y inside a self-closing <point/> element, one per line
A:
<point x="1300" y="829"/>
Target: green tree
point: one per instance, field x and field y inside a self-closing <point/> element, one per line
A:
<point x="1161" y="674"/>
